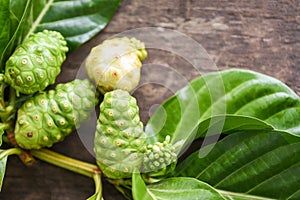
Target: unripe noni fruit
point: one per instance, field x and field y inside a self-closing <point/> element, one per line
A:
<point x="160" y="158"/>
<point x="116" y="64"/>
<point x="36" y="62"/>
<point x="119" y="138"/>
<point x="49" y="117"/>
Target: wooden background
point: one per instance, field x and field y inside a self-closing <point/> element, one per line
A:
<point x="261" y="35"/>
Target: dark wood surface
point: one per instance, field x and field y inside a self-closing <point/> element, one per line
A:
<point x="259" y="35"/>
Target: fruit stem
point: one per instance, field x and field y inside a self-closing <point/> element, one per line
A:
<point x="12" y="151"/>
<point x="98" y="186"/>
<point x="65" y="162"/>
<point x="24" y="156"/>
<point x="124" y="186"/>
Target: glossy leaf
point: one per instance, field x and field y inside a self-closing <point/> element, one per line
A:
<point x="78" y="21"/>
<point x="235" y="92"/>
<point x="14" y="23"/>
<point x="232" y="123"/>
<point x="139" y="188"/>
<point x="3" y="162"/>
<point x="174" y="188"/>
<point x="5" y="24"/>
<point x="261" y="163"/>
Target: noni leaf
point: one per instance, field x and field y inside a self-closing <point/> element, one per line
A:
<point x="243" y="95"/>
<point x="173" y="188"/>
<point x="14" y="15"/>
<point x="261" y="163"/>
<point x="77" y="21"/>
<point x="3" y="162"/>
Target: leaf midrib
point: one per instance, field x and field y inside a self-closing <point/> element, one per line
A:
<point x="242" y="195"/>
<point x="39" y="18"/>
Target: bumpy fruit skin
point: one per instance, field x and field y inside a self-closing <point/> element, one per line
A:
<point x="159" y="159"/>
<point x="119" y="138"/>
<point x="116" y="64"/>
<point x="49" y="117"/>
<point x="36" y="62"/>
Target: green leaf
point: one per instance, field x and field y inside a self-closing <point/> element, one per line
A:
<point x="5" y="24"/>
<point x="261" y="163"/>
<point x="183" y="188"/>
<point x="13" y="18"/>
<point x="232" y="123"/>
<point x="227" y="93"/>
<point x="78" y="21"/>
<point x="139" y="188"/>
<point x="3" y="162"/>
<point x="174" y="188"/>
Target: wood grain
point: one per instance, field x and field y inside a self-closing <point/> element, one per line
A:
<point x="259" y="35"/>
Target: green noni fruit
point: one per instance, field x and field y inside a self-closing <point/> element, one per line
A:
<point x="160" y="158"/>
<point x="49" y="117"/>
<point x="119" y="138"/>
<point x="116" y="64"/>
<point x="36" y="62"/>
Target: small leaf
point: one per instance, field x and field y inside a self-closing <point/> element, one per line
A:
<point x="139" y="189"/>
<point x="173" y="188"/>
<point x="3" y="162"/>
<point x="261" y="163"/>
<point x="183" y="188"/>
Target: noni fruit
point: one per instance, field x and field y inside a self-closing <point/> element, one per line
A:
<point x="116" y="64"/>
<point x="49" y="117"/>
<point x="119" y="138"/>
<point x="160" y="158"/>
<point x="36" y="62"/>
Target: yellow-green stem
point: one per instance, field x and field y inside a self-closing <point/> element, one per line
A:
<point x="65" y="162"/>
<point x="98" y="186"/>
<point x="68" y="159"/>
<point x="12" y="151"/>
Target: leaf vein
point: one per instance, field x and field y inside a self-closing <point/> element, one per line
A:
<point x="275" y="175"/>
<point x="39" y="18"/>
